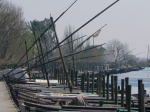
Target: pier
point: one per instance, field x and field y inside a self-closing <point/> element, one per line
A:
<point x="6" y="103"/>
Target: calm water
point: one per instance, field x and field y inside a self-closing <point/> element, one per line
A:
<point x="133" y="79"/>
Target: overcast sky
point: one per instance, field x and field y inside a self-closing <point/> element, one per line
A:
<point x="127" y="21"/>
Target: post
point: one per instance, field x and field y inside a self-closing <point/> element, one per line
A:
<point x="100" y="84"/>
<point x="82" y="82"/>
<point x="93" y="75"/>
<point x="58" y="75"/>
<point x="55" y="74"/>
<point x="104" y="85"/>
<point x="126" y="83"/>
<point x="112" y="88"/>
<point x="98" y="81"/>
<point x="76" y="78"/>
<point x="122" y="92"/>
<point x="87" y="86"/>
<point x="139" y="94"/>
<point x="107" y="86"/>
<point x="116" y="89"/>
<point x="142" y="104"/>
<point x="128" y="98"/>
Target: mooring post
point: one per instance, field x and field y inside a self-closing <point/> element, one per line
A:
<point x="82" y="82"/>
<point x="93" y="75"/>
<point x="116" y="89"/>
<point x="126" y="83"/>
<point x="87" y="85"/>
<point x="104" y="85"/>
<point x="55" y="73"/>
<point x="142" y="94"/>
<point x="76" y="78"/>
<point x="100" y="83"/>
<point x="107" y="86"/>
<point x="128" y="97"/>
<point x="139" y="94"/>
<point x="58" y="71"/>
<point x="97" y="85"/>
<point x="112" y="88"/>
<point x="122" y="92"/>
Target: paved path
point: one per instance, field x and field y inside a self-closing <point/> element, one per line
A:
<point x="6" y="104"/>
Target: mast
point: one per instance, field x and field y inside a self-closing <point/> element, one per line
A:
<point x="147" y="54"/>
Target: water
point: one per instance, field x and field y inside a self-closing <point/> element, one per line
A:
<point x="133" y="79"/>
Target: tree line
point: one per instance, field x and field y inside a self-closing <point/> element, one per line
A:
<point x="15" y="31"/>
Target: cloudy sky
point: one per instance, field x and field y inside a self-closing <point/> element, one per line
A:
<point x="127" y="21"/>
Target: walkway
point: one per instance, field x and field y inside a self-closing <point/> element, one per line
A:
<point x="6" y="104"/>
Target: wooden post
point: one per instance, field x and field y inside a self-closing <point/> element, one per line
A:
<point x="98" y="81"/>
<point x="116" y="89"/>
<point x="93" y="75"/>
<point x="104" y="85"/>
<point x="58" y="75"/>
<point x="128" y="98"/>
<point x="112" y="88"/>
<point x="82" y="82"/>
<point x="55" y="73"/>
<point x="62" y="77"/>
<point x="126" y="83"/>
<point x="87" y="86"/>
<point x="107" y="86"/>
<point x="142" y="104"/>
<point x="100" y="84"/>
<point x="76" y="78"/>
<point x="139" y="94"/>
<point x="122" y="92"/>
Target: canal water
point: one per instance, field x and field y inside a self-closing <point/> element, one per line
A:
<point x="133" y="79"/>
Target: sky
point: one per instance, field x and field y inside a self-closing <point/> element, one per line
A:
<point x="127" y="21"/>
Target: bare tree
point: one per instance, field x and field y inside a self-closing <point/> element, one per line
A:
<point x="11" y="26"/>
<point x="118" y="49"/>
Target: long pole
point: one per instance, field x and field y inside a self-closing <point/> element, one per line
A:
<point x="62" y="59"/>
<point x="147" y="54"/>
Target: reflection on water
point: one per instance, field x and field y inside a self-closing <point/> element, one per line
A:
<point x="133" y="79"/>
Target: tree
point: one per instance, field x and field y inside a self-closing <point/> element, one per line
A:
<point x="72" y="44"/>
<point x="118" y="49"/>
<point x="11" y="26"/>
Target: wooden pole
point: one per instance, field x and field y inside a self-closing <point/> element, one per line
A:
<point x="128" y="98"/>
<point x="93" y="75"/>
<point x="139" y="94"/>
<point x="107" y="86"/>
<point x="82" y="82"/>
<point x="87" y="86"/>
<point x="122" y="92"/>
<point x="112" y="88"/>
<point x="100" y="83"/>
<point x="104" y="85"/>
<point x="76" y="78"/>
<point x="126" y="83"/>
<point x="62" y="59"/>
<point x="116" y="89"/>
<point x="142" y="104"/>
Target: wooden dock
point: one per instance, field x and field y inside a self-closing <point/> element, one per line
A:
<point x="6" y="103"/>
